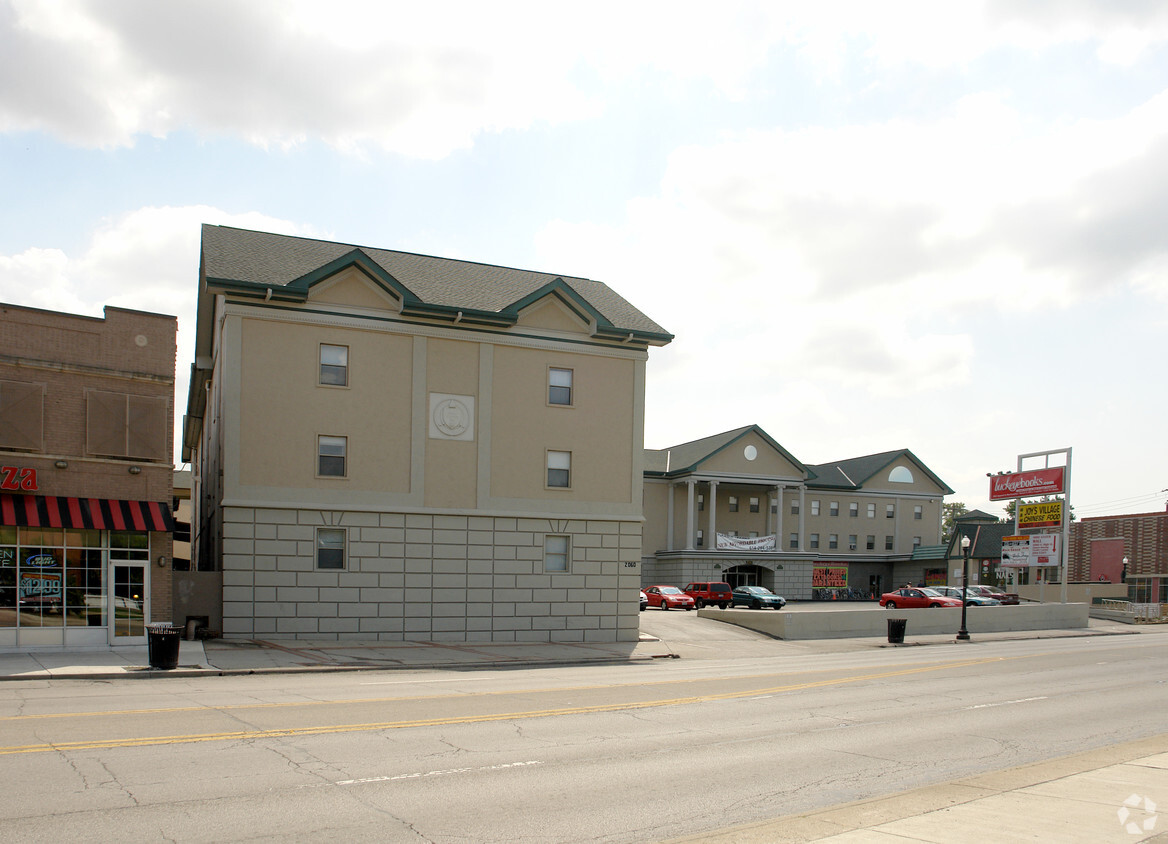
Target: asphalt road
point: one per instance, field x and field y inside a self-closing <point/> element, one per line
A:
<point x="741" y="728"/>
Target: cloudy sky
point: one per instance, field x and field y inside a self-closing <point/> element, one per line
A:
<point x="871" y="226"/>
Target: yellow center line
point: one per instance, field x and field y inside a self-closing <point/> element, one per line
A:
<point x="453" y="696"/>
<point x="102" y="744"/>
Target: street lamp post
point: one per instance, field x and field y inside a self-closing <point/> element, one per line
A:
<point x="963" y="634"/>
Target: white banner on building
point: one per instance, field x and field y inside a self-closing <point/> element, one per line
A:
<point x="746" y="543"/>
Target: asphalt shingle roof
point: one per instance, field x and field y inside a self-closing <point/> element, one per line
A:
<point x="241" y="256"/>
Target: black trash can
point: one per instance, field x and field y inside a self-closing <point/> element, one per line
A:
<point x="896" y="628"/>
<point x="162" y="644"/>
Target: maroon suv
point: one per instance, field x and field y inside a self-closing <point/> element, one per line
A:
<point x="709" y="593"/>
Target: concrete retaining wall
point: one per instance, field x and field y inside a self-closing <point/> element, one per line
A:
<point x="849" y="624"/>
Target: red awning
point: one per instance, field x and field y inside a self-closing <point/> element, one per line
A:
<point x="84" y="513"/>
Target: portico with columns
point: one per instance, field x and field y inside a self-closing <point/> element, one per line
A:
<point x="740" y="508"/>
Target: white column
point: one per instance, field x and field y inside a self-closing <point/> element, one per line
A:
<point x="689" y="515"/>
<point x="712" y="504"/>
<point x="779" y="520"/>
<point x="672" y="490"/>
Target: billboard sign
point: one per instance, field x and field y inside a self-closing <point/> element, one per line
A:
<point x="1044" y="550"/>
<point x="829" y="577"/>
<point x="1040" y="515"/>
<point x="1027" y="483"/>
<point x="1016" y="551"/>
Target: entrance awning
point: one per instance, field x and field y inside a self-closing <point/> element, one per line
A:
<point x="84" y="513"/>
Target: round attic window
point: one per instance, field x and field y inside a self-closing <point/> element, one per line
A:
<point x="750" y="452"/>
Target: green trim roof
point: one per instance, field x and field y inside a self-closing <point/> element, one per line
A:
<point x="250" y="263"/>
<point x="687" y="457"/>
<point x="854" y="472"/>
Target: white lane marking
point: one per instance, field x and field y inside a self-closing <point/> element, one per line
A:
<point x="1004" y="703"/>
<point x="447" y="772"/>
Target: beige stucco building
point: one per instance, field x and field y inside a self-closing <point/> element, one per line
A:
<point x="401" y="446"/>
<point x="738" y="507"/>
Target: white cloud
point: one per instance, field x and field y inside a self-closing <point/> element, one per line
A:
<point x="147" y="260"/>
<point x="426" y="79"/>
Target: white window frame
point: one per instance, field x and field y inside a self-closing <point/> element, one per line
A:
<point x="918" y="512"/>
<point x="853" y="509"/>
<point x="813" y="541"/>
<point x="342" y="368"/>
<point x="871" y="511"/>
<point x="732" y="503"/>
<point x="814" y="506"/>
<point x="321" y="456"/>
<point x="558" y="457"/>
<point x="557" y="553"/>
<point x="555" y="395"/>
<point x="832" y="541"/>
<point x="833" y="508"/>
<point x="323" y="532"/>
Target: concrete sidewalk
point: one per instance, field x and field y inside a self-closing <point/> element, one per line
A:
<point x="219" y="657"/>
<point x="1113" y="794"/>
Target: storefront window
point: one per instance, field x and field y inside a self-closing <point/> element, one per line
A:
<point x="53" y="578"/>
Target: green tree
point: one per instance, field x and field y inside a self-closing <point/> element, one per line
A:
<point x="949" y="513"/>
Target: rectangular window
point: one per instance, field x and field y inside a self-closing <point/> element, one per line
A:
<point x="794" y="541"/>
<point x="754" y="505"/>
<point x="871" y="511"/>
<point x="559" y="469"/>
<point x="560" y="387"/>
<point x="733" y="533"/>
<point x="775" y="507"/>
<point x="918" y="513"/>
<point x="555" y="553"/>
<point x="334" y="365"/>
<point x="851" y="542"/>
<point x="871" y="543"/>
<point x="890" y="511"/>
<point x="22" y="410"/>
<point x="814" y="507"/>
<point x="701" y="502"/>
<point x="753" y="534"/>
<point x="330" y="548"/>
<point x="733" y="503"/>
<point x="121" y="425"/>
<point x="699" y="539"/>
<point x="888" y="543"/>
<point x="833" y="540"/>
<point x="330" y="454"/>
<point x="853" y="509"/>
<point x="833" y="508"/>
<point x="794" y="508"/>
<point x="916" y="542"/>
<point x="813" y="541"/>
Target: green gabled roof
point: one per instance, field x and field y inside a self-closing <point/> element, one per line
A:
<point x="687" y="457"/>
<point x="251" y="263"/>
<point x="930" y="552"/>
<point x="986" y="539"/>
<point x="976" y="516"/>
<point x="854" y="472"/>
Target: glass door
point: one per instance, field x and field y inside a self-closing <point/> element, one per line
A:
<point x="129" y="609"/>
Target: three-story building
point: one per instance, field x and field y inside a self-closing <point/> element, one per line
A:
<point x="398" y="446"/>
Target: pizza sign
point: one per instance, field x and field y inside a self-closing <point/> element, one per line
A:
<point x="18" y="479"/>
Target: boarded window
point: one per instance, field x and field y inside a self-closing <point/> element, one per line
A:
<point x="22" y="411"/>
<point x="119" y="425"/>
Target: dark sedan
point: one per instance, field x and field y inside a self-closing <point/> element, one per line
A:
<point x="756" y="597"/>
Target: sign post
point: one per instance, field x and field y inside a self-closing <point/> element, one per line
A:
<point x="1027" y="483"/>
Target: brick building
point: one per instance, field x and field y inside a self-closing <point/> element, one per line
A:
<point x="86" y="434"/>
<point x="1100" y="544"/>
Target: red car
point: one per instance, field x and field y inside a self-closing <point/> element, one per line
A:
<point x="915" y="597"/>
<point x="994" y="592"/>
<point x="669" y="598"/>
